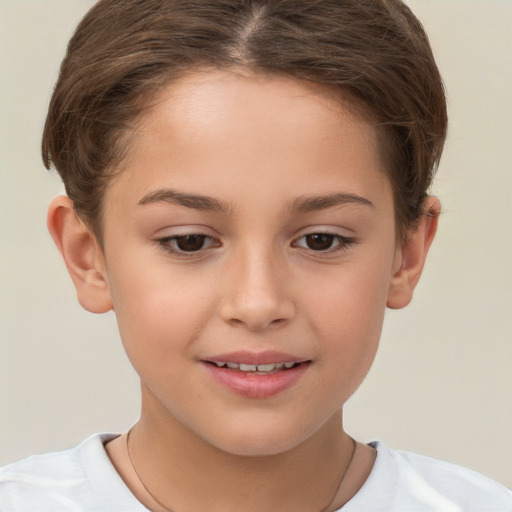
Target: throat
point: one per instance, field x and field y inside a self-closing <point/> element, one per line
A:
<point x="164" y="477"/>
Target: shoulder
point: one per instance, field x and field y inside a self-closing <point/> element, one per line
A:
<point x="72" y="479"/>
<point x="402" y="482"/>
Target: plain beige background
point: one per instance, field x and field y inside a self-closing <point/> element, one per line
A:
<point x="442" y="382"/>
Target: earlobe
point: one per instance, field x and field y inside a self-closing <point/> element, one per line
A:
<point x="412" y="255"/>
<point x="82" y="255"/>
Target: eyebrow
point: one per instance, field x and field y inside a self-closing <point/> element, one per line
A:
<point x="305" y="204"/>
<point x="302" y="204"/>
<point x="195" y="201"/>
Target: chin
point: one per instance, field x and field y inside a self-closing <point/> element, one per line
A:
<point x="258" y="439"/>
<point x="256" y="448"/>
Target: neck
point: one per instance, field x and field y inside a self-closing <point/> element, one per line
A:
<point x="184" y="472"/>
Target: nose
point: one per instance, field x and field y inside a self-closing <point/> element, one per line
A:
<point x="255" y="293"/>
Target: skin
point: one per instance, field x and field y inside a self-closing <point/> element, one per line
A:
<point x="263" y="149"/>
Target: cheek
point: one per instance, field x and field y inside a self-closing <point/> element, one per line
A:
<point x="348" y="316"/>
<point x="351" y="326"/>
<point x="157" y="312"/>
<point x="351" y="299"/>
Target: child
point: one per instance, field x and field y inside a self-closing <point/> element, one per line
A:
<point x="247" y="190"/>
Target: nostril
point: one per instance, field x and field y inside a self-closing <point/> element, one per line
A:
<point x="256" y="310"/>
<point x="257" y="324"/>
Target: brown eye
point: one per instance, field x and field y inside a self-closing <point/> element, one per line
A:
<point x="320" y="241"/>
<point x="190" y="243"/>
<point x="323" y="242"/>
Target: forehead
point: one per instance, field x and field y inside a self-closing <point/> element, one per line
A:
<point x="254" y="132"/>
<point x="212" y="92"/>
<point x="230" y="89"/>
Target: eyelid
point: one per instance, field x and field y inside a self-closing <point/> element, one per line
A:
<point x="166" y="243"/>
<point x="325" y="229"/>
<point x="184" y="230"/>
<point x="344" y="240"/>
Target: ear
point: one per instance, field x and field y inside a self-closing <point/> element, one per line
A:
<point x="410" y="258"/>
<point x="82" y="255"/>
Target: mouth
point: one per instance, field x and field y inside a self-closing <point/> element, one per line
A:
<point x="260" y="375"/>
<point x="257" y="369"/>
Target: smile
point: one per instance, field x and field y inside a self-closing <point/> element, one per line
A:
<point x="258" y="369"/>
<point x="260" y="376"/>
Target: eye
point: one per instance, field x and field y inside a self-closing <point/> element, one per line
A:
<point x="190" y="243"/>
<point x="186" y="243"/>
<point x="323" y="242"/>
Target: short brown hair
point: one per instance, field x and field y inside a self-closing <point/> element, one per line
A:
<point x="123" y="51"/>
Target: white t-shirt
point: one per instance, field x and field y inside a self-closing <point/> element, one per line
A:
<point x="83" y="479"/>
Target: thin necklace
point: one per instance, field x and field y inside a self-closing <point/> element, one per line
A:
<point x="325" y="509"/>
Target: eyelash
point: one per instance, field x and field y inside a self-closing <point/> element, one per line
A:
<point x="343" y="242"/>
<point x="169" y="243"/>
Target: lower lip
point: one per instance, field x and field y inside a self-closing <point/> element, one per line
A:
<point x="256" y="386"/>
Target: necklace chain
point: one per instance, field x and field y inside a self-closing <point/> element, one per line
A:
<point x="325" y="509"/>
<point x="138" y="476"/>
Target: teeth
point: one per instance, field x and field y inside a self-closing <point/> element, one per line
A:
<point x="255" y="367"/>
<point x="248" y="367"/>
<point x="266" y="367"/>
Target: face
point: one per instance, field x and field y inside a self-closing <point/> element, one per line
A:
<point x="249" y="245"/>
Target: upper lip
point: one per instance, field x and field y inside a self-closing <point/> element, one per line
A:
<point x="249" y="357"/>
